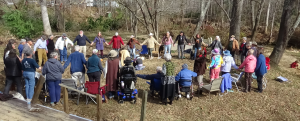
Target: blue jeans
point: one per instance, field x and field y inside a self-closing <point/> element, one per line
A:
<point x="132" y="52"/>
<point x="63" y="54"/>
<point x="118" y="50"/>
<point x="167" y="48"/>
<point x="29" y="78"/>
<point x="196" y="50"/>
<point x="54" y="90"/>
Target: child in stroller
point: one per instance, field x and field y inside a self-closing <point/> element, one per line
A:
<point x="185" y="81"/>
<point x="155" y="84"/>
<point x="127" y="82"/>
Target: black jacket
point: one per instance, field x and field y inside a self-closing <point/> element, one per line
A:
<point x="181" y="41"/>
<point x="13" y="66"/>
<point x="81" y="40"/>
<point x="243" y="50"/>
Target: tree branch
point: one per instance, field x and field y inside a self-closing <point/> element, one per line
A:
<point x="223" y="11"/>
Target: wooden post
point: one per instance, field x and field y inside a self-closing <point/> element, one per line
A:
<point x="143" y="109"/>
<point x="99" y="103"/>
<point x="38" y="90"/>
<point x="66" y="104"/>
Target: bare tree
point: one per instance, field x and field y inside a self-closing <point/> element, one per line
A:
<point x="267" y="18"/>
<point x="253" y="13"/>
<point x="286" y="30"/>
<point x="45" y="17"/>
<point x="59" y="17"/>
<point x="272" y="23"/>
<point x="257" y="18"/>
<point x="203" y="8"/>
<point x="235" y="23"/>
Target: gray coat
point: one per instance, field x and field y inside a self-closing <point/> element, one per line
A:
<point x="53" y="70"/>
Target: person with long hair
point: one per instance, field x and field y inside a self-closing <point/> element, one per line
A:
<point x="198" y="43"/>
<point x="10" y="45"/>
<point x="167" y="41"/>
<point x="13" y="71"/>
<point x="99" y="40"/>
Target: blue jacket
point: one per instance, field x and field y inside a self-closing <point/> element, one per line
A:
<point x="20" y="48"/>
<point x="154" y="84"/>
<point x="261" y="67"/>
<point x="94" y="64"/>
<point x="185" y="77"/>
<point x="77" y="61"/>
<point x="226" y="82"/>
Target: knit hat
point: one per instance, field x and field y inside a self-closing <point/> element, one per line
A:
<point x="64" y="35"/>
<point x="215" y="51"/>
<point x="116" y="33"/>
<point x="185" y="66"/>
<point x="227" y="53"/>
<point x="113" y="53"/>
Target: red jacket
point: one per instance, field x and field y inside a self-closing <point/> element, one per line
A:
<point x="268" y="63"/>
<point x="294" y="65"/>
<point x="116" y="40"/>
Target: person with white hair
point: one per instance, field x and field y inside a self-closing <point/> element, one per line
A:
<point x="153" y="78"/>
<point x="117" y="41"/>
<point x="217" y="44"/>
<point x="41" y="47"/>
<point x="77" y="69"/>
<point x="62" y="44"/>
<point x="53" y="71"/>
<point x="20" y="47"/>
<point x="94" y="67"/>
<point x="131" y="43"/>
<point x="167" y="41"/>
<point x="150" y="44"/>
<point x="168" y="80"/>
<point x="243" y="49"/>
<point x="50" y="45"/>
<point x="250" y="65"/>
<point x="81" y="41"/>
<point x="99" y="40"/>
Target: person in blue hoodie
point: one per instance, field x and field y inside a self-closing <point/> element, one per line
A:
<point x="185" y="77"/>
<point x="261" y="69"/>
<point x="53" y="71"/>
<point x="77" y="69"/>
<point x="154" y="85"/>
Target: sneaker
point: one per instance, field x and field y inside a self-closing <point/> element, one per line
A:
<point x="229" y="90"/>
<point x="52" y="104"/>
<point x="188" y="96"/>
<point x="179" y="96"/>
<point x="28" y="105"/>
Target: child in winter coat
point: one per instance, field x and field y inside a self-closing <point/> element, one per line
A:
<point x="294" y="64"/>
<point x="228" y="61"/>
<point x="200" y="67"/>
<point x="261" y="69"/>
<point x="216" y="62"/>
<point x="249" y="64"/>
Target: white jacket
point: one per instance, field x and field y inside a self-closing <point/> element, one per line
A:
<point x="60" y="43"/>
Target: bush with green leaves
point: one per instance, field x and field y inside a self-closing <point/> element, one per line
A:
<point x="21" y="25"/>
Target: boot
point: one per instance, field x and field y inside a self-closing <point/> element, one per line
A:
<point x="171" y="102"/>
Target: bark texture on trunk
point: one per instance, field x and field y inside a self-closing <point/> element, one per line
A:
<point x="45" y="17"/>
<point x="201" y="16"/>
<point x="257" y="18"/>
<point x="59" y="17"/>
<point x="267" y="18"/>
<point x="235" y="23"/>
<point x="285" y="30"/>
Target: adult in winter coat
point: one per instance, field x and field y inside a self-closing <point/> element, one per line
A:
<point x="181" y="38"/>
<point x="168" y="81"/>
<point x="50" y="45"/>
<point x="53" y="71"/>
<point x="62" y="45"/>
<point x="77" y="69"/>
<point x="216" y="44"/>
<point x="13" y="71"/>
<point x="150" y="44"/>
<point x="117" y="41"/>
<point x="249" y="64"/>
<point x="99" y="40"/>
<point x="157" y="76"/>
<point x="184" y="77"/>
<point x="198" y="43"/>
<point x="233" y="46"/>
<point x="111" y="72"/>
<point x="215" y="65"/>
<point x="94" y="67"/>
<point x="261" y="69"/>
<point x="228" y="62"/>
<point x="167" y="41"/>
<point x="81" y="41"/>
<point x="243" y="49"/>
<point x="200" y="67"/>
<point x="131" y="43"/>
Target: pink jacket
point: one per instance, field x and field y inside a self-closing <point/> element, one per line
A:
<point x="249" y="64"/>
<point x="165" y="40"/>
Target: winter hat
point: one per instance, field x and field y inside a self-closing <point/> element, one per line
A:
<point x="227" y="53"/>
<point x="113" y="53"/>
<point x="185" y="66"/>
<point x="151" y="34"/>
<point x="215" y="51"/>
<point x="116" y="33"/>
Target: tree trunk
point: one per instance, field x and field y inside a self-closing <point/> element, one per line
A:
<point x="181" y="13"/>
<point x="46" y="23"/>
<point x="267" y="18"/>
<point x="272" y="24"/>
<point x="253" y="13"/>
<point x="59" y="17"/>
<point x="222" y="14"/>
<point x="257" y="18"/>
<point x="235" y="23"/>
<point x="202" y="16"/>
<point x="285" y="30"/>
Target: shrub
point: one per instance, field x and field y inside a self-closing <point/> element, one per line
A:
<point x="21" y="25"/>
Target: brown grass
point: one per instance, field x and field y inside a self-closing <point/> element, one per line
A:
<point x="280" y="101"/>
